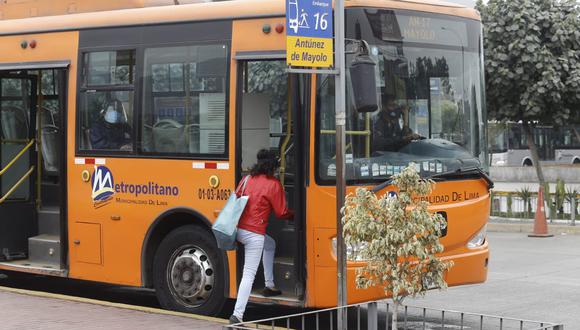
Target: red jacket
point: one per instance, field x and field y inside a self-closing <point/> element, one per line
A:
<point x="265" y="194"/>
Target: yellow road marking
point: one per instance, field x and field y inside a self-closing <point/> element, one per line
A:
<point x="111" y="304"/>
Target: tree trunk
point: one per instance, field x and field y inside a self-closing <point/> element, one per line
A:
<point x="529" y="208"/>
<point x="577" y="134"/>
<point x="536" y="162"/>
<point x="573" y="211"/>
<point x="394" y="325"/>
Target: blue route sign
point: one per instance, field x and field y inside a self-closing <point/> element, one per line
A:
<point x="309" y="30"/>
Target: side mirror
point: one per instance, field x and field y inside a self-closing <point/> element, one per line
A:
<point x="364" y="85"/>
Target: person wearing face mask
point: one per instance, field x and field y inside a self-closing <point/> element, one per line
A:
<point x="390" y="131"/>
<point x="111" y="131"/>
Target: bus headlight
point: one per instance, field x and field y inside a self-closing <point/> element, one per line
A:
<point x="352" y="250"/>
<point x="479" y="238"/>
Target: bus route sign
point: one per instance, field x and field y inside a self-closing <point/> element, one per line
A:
<point x="309" y="36"/>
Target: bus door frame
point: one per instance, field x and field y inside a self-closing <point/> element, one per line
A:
<point x="18" y="209"/>
<point x="300" y="122"/>
<point x="63" y="88"/>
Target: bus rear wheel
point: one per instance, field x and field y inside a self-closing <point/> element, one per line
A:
<point x="188" y="272"/>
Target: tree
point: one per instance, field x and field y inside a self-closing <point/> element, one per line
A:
<point x="560" y="197"/>
<point x="398" y="238"/>
<point x="532" y="63"/>
<point x="526" y="195"/>
<point x="572" y="198"/>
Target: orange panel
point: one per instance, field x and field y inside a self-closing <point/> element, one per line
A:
<point x="467" y="207"/>
<point x="248" y="35"/>
<point x="322" y="247"/>
<point x="49" y="47"/>
<point x="86" y="246"/>
<point x="127" y="217"/>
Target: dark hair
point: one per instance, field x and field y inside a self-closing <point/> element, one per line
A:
<point x="267" y="163"/>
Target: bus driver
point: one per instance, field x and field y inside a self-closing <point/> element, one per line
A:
<point x="389" y="134"/>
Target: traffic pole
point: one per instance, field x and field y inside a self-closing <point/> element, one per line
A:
<point x="340" y="113"/>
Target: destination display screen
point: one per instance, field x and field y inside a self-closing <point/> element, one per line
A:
<point x="416" y="28"/>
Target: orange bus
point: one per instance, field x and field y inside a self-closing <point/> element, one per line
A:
<point x="126" y="124"/>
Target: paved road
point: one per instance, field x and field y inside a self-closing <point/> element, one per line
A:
<point x="529" y="278"/>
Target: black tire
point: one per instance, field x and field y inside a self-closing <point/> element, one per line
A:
<point x="182" y="247"/>
<point x="528" y="162"/>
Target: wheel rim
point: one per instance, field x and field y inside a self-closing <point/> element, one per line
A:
<point x="190" y="276"/>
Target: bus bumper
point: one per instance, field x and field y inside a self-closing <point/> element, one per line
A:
<point x="469" y="267"/>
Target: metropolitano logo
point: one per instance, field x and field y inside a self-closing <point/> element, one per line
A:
<point x="103" y="186"/>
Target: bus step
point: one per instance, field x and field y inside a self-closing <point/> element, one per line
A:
<point x="44" y="249"/>
<point x="284" y="274"/>
<point x="49" y="221"/>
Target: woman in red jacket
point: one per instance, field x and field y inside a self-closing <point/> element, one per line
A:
<point x="265" y="194"/>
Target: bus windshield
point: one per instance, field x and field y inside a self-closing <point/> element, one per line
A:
<point x="429" y="78"/>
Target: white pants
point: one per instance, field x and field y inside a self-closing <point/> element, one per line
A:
<point x="254" y="244"/>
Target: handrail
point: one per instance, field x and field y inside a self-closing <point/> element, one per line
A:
<point x="367" y="132"/>
<point x="17" y="157"/>
<point x="331" y="131"/>
<point x="17" y="184"/>
<point x="287" y="138"/>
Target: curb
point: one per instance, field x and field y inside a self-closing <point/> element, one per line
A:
<point x="507" y="227"/>
<point x="143" y="309"/>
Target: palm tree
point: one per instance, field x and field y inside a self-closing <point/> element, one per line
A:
<point x="572" y="197"/>
<point x="526" y="195"/>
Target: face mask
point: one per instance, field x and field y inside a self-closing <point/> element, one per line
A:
<point x="112" y="116"/>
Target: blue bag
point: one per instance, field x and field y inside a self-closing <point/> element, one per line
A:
<point x="225" y="227"/>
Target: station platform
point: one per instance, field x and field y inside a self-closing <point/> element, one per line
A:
<point x="32" y="310"/>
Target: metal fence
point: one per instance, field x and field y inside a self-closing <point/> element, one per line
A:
<point x="511" y="205"/>
<point x="378" y="315"/>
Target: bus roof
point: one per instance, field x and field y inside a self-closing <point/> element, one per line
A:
<point x="143" y="12"/>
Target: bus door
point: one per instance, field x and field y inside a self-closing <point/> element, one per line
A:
<point x="17" y="164"/>
<point x="270" y="116"/>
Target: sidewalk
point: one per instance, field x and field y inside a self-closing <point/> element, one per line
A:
<point x="512" y="225"/>
<point x="32" y="310"/>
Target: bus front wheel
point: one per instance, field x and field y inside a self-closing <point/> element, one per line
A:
<point x="188" y="272"/>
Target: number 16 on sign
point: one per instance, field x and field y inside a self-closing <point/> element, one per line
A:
<point x="309" y="41"/>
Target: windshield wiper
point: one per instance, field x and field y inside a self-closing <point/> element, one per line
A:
<point x="466" y="171"/>
<point x="459" y="171"/>
<point x="383" y="185"/>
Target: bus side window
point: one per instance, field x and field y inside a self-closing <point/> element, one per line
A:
<point x="106" y="101"/>
<point x="184" y="100"/>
